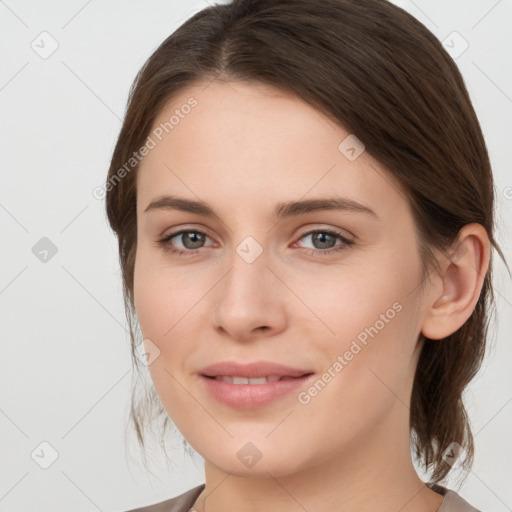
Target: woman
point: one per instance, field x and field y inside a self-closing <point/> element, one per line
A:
<point x="304" y="206"/>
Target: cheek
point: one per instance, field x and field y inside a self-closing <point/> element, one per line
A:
<point x="342" y="302"/>
<point x="150" y="300"/>
<point x="367" y="375"/>
<point x="370" y="321"/>
<point x="162" y="295"/>
<point x="161" y="313"/>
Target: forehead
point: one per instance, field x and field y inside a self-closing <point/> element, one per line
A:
<point x="249" y="143"/>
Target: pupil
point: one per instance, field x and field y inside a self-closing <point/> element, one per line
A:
<point x="321" y="237"/>
<point x="193" y="235"/>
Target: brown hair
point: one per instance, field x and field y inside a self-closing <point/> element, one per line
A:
<point x="377" y="71"/>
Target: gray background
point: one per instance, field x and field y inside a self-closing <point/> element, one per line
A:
<point x="65" y="371"/>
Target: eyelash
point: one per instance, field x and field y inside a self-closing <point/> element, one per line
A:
<point x="164" y="242"/>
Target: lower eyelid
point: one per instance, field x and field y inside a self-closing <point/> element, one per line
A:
<point x="185" y="231"/>
<point x="344" y="240"/>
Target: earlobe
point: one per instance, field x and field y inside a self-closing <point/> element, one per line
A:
<point x="462" y="277"/>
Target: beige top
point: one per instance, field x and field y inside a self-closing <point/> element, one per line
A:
<point x="452" y="502"/>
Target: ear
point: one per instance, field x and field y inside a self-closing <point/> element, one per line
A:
<point x="458" y="285"/>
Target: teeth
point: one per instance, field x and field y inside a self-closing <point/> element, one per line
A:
<point x="245" y="380"/>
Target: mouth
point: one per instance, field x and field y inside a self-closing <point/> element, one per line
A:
<point x="240" y="380"/>
<point x="254" y="370"/>
<point x="252" y="385"/>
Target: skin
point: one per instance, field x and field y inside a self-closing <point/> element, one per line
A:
<point x="242" y="149"/>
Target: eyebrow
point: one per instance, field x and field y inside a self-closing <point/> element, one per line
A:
<point x="281" y="210"/>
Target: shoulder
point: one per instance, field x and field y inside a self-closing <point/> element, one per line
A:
<point x="452" y="501"/>
<point x="180" y="503"/>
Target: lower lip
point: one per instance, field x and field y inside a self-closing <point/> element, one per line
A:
<point x="250" y="396"/>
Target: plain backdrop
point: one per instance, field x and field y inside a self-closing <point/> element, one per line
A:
<point x="65" y="371"/>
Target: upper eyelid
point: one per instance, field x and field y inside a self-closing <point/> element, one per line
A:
<point x="308" y="231"/>
<point x="179" y="232"/>
<point x="341" y="236"/>
<point x="318" y="226"/>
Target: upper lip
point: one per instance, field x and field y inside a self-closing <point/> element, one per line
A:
<point x="251" y="370"/>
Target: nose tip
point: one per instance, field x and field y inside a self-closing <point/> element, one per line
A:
<point x="247" y="303"/>
<point x="243" y="332"/>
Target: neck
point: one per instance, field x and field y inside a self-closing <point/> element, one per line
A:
<point x="374" y="473"/>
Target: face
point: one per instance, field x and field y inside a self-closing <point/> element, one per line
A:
<point x="332" y="292"/>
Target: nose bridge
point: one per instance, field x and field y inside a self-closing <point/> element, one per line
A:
<point x="248" y="297"/>
<point x="248" y="273"/>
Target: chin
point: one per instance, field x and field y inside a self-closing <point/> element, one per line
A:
<point x="255" y="460"/>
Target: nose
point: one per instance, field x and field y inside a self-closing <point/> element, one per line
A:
<point x="250" y="300"/>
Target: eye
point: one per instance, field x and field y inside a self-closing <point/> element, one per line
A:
<point x="192" y="240"/>
<point x="326" y="240"/>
